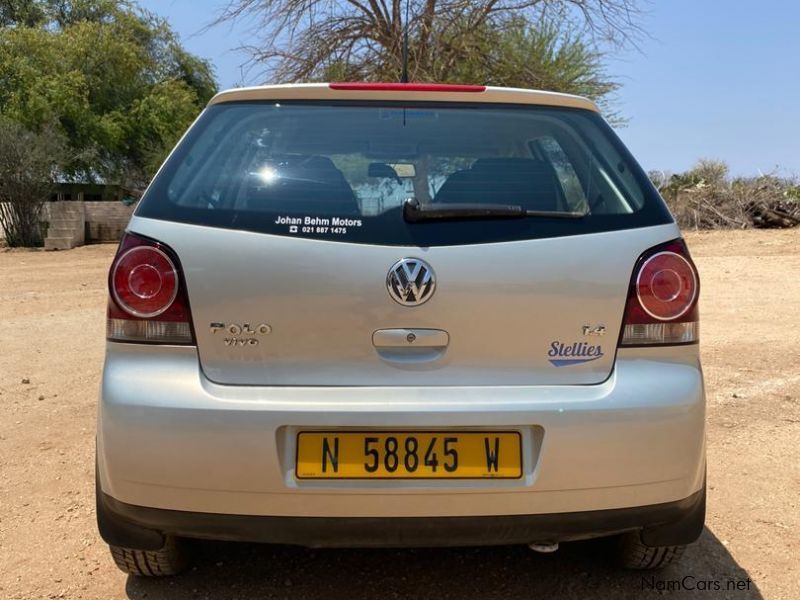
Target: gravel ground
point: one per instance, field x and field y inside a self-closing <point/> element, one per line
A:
<point x="51" y="350"/>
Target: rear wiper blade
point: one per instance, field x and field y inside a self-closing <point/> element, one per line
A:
<point x="414" y="212"/>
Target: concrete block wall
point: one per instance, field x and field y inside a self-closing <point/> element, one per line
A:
<point x="76" y="223"/>
<point x="106" y="221"/>
<point x="66" y="225"/>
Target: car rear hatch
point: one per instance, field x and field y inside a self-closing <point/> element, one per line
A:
<point x="303" y="267"/>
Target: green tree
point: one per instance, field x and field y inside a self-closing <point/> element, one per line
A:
<point x="546" y="56"/>
<point x="113" y="77"/>
<point x="28" y="162"/>
<point x="546" y="44"/>
<point x="28" y="13"/>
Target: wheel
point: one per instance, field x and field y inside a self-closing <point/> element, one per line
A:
<point x="633" y="554"/>
<point x="169" y="560"/>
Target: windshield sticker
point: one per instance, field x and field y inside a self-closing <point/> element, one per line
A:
<point x="407" y="114"/>
<point x="318" y="225"/>
<point x="564" y="355"/>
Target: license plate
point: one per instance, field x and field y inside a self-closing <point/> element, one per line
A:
<point x="409" y="455"/>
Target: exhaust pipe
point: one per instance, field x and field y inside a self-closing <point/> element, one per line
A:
<point x="544" y="548"/>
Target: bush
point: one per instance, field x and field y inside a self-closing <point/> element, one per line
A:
<point x="706" y="197"/>
<point x="29" y="162"/>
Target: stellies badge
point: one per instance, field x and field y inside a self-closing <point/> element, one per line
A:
<point x="564" y="355"/>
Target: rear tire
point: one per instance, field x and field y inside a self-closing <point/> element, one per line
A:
<point x="169" y="560"/>
<point x="633" y="554"/>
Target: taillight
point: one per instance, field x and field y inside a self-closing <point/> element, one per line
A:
<point x="148" y="301"/>
<point x="662" y="298"/>
<point x="360" y="86"/>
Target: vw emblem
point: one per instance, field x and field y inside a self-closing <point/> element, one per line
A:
<point x="411" y="282"/>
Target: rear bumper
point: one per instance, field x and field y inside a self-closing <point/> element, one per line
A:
<point x="170" y="439"/>
<point x="670" y="523"/>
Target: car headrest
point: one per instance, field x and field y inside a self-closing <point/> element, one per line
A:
<point x="312" y="182"/>
<point x="520" y="181"/>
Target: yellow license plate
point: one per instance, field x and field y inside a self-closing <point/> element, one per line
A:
<point x="409" y="455"/>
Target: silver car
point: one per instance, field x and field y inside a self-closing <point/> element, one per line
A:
<point x="361" y="315"/>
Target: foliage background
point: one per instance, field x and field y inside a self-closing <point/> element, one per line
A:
<point x="110" y="77"/>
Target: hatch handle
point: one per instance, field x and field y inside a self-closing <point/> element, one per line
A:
<point x="410" y="338"/>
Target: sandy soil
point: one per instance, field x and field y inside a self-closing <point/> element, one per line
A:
<point x="51" y="350"/>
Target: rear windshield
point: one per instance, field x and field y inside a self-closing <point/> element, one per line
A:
<point x="339" y="171"/>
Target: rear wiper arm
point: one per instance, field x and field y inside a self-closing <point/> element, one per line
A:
<point x="414" y="212"/>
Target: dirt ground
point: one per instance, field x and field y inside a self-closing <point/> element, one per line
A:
<point x="51" y="350"/>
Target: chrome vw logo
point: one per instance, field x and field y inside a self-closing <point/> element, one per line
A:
<point x="411" y="282"/>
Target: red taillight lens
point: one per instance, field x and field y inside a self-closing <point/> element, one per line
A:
<point x="144" y="281"/>
<point x="662" y="299"/>
<point x="148" y="301"/>
<point x="666" y="286"/>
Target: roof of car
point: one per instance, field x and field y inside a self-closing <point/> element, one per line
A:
<point x="402" y="91"/>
